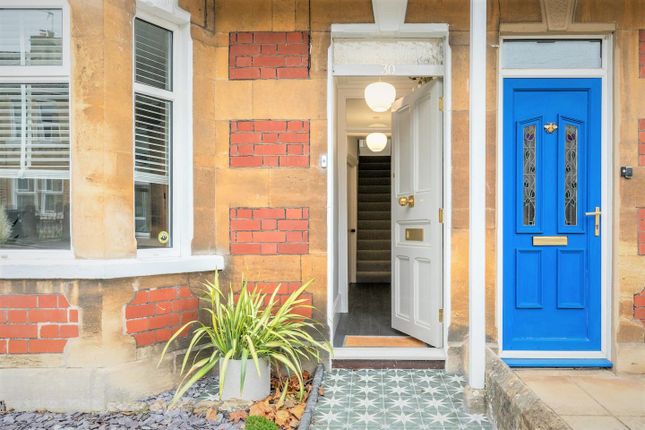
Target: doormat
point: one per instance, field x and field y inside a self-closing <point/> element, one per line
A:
<point x="383" y="342"/>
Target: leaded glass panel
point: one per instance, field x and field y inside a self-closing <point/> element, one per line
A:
<point x="571" y="175"/>
<point x="529" y="176"/>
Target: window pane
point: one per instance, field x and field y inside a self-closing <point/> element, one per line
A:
<point x="153" y="55"/>
<point x="552" y="54"/>
<point x="153" y="117"/>
<point x="34" y="213"/>
<point x="31" y="37"/>
<point x="571" y="175"/>
<point x="528" y="174"/>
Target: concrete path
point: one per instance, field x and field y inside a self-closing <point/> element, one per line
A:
<point x="394" y="399"/>
<point x="591" y="399"/>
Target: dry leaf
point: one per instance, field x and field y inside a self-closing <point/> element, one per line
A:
<point x="211" y="414"/>
<point x="263" y="409"/>
<point x="298" y="410"/>
<point x="321" y="391"/>
<point x="236" y="416"/>
<point x="282" y="418"/>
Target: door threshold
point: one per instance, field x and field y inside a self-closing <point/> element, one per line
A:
<point x="388" y="364"/>
<point x="558" y="362"/>
<point x="369" y="353"/>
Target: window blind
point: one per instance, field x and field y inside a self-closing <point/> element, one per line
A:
<point x="152" y="119"/>
<point x="153" y="53"/>
<point x="31" y="37"/>
<point x="34" y="130"/>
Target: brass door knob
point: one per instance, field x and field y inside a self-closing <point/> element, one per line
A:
<point x="406" y="201"/>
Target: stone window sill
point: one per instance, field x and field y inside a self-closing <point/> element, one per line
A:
<point x="64" y="268"/>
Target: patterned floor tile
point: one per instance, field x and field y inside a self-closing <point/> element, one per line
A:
<point x="393" y="399"/>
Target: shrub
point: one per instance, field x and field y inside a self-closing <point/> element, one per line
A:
<point x="256" y="422"/>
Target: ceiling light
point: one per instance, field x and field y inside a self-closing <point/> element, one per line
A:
<point x="376" y="142"/>
<point x="379" y="96"/>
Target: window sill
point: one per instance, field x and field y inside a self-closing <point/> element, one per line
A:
<point x="107" y="269"/>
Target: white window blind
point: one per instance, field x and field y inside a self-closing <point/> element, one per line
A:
<point x="151" y="139"/>
<point x="153" y="53"/>
<point x="34" y="130"/>
<point x="31" y="37"/>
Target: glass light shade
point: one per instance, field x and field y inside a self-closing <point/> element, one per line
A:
<point x="379" y="96"/>
<point x="376" y="142"/>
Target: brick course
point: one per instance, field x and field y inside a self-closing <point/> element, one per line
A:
<point x="641" y="141"/>
<point x="269" y="143"/>
<point x="639" y="306"/>
<point x="641" y="231"/>
<point x="36" y="323"/>
<point x="153" y="316"/>
<point x="269" y="231"/>
<point x="269" y="55"/>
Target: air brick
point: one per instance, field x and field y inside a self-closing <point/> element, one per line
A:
<point x="282" y="231"/>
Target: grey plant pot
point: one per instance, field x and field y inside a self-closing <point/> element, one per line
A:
<point x="256" y="386"/>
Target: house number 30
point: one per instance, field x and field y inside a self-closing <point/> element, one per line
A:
<point x="389" y="69"/>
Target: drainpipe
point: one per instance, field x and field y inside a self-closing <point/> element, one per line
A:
<point x="477" y="198"/>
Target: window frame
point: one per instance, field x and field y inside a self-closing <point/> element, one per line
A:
<point x="60" y="74"/>
<point x="181" y="162"/>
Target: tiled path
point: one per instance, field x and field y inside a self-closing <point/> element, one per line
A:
<point x="591" y="399"/>
<point x="394" y="399"/>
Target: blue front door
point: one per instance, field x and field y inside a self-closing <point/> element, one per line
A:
<point x="552" y="294"/>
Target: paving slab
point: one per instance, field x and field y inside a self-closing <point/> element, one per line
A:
<point x="594" y="423"/>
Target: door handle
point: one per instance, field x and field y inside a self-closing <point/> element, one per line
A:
<point x="595" y="214"/>
<point x="406" y="201"/>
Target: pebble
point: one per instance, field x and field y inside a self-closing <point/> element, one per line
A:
<point x="148" y="414"/>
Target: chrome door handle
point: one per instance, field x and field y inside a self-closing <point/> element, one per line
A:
<point x="595" y="214"/>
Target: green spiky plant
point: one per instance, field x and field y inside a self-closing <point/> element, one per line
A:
<point x="250" y="326"/>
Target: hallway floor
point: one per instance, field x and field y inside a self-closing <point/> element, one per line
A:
<point x="402" y="399"/>
<point x="591" y="399"/>
<point x="369" y="313"/>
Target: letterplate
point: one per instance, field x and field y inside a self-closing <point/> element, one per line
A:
<point x="550" y="240"/>
<point x="414" y="234"/>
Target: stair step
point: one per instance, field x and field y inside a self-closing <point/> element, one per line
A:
<point x="373" y="166"/>
<point x="376" y="197"/>
<point x="374" y="254"/>
<point x="375" y="173"/>
<point x="374" y="234"/>
<point x="374" y="215"/>
<point x="375" y="277"/>
<point x="373" y="181"/>
<point x="373" y="189"/>
<point x="373" y="266"/>
<point x="374" y="206"/>
<point x="368" y="224"/>
<point x="374" y="244"/>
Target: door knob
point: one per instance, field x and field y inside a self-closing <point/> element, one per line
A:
<point x="595" y="214"/>
<point x="406" y="201"/>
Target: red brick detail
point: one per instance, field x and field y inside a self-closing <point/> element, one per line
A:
<point x="641" y="53"/>
<point x="641" y="231"/>
<point x="154" y="315"/>
<point x="639" y="306"/>
<point x="269" y="231"/>
<point x="286" y="288"/>
<point x="36" y="323"/>
<point x="641" y="140"/>
<point x="269" y="143"/>
<point x="269" y="55"/>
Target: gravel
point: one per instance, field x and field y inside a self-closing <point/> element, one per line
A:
<point x="150" y="413"/>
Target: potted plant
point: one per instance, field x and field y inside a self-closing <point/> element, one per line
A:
<point x="245" y="335"/>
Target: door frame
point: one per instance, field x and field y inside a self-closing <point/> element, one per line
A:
<point x="337" y="178"/>
<point x="606" y="143"/>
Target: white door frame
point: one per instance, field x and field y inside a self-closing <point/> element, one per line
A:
<point x="334" y="178"/>
<point x="605" y="73"/>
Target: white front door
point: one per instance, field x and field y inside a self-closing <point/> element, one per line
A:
<point x="417" y="231"/>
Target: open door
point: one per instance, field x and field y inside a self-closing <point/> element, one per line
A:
<point x="417" y="230"/>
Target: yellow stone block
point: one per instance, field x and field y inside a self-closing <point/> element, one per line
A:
<point x="286" y="99"/>
<point x="233" y="100"/>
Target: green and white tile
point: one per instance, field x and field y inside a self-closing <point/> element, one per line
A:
<point x="372" y="399"/>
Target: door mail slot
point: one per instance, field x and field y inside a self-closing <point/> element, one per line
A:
<point x="414" y="234"/>
<point x="550" y="240"/>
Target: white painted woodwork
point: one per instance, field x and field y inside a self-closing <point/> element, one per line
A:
<point x="389" y="15"/>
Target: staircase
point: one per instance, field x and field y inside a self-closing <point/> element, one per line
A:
<point x="374" y="253"/>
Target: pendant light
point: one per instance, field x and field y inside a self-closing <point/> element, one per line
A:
<point x="379" y="96"/>
<point x="376" y="142"/>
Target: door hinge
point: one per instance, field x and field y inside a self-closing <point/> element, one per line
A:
<point x="440" y="215"/>
<point x="441" y="315"/>
<point x="441" y="103"/>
